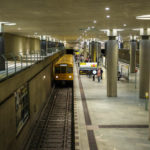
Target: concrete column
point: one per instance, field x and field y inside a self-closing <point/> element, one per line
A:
<point x="133" y="47"/>
<point x="98" y="53"/>
<point x="106" y="54"/>
<point x="55" y="46"/>
<point x="49" y="46"/>
<point x="43" y="45"/>
<point x="61" y="46"/>
<point x="85" y="51"/>
<point x="149" y="101"/>
<point x="144" y="65"/>
<point x="96" y="48"/>
<point x="121" y="45"/>
<point x="90" y="49"/>
<point x="112" y="60"/>
<point x="149" y="93"/>
<point x="2" y="49"/>
<point x="138" y="45"/>
<point x="93" y="52"/>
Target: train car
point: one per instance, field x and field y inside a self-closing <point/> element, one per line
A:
<point x="63" y="70"/>
<point x="70" y="51"/>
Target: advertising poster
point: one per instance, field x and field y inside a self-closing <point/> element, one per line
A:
<point x="22" y="106"/>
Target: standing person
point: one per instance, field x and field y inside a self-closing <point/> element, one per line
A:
<point x="99" y="74"/>
<point x="93" y="77"/>
<point x="119" y="75"/>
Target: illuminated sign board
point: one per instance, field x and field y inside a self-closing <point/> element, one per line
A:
<point x="88" y="65"/>
<point x="64" y="65"/>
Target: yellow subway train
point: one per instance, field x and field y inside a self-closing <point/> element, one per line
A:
<point x="63" y="69"/>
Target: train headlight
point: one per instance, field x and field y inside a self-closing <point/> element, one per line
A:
<point x="70" y="77"/>
<point x="56" y="77"/>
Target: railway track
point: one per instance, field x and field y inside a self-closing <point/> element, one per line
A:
<point x="54" y="130"/>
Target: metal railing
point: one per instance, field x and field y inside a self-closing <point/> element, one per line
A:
<point x="14" y="63"/>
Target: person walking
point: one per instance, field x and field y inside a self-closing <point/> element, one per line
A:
<point x="99" y="74"/>
<point x="119" y="75"/>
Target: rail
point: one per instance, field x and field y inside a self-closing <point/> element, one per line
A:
<point x="54" y="128"/>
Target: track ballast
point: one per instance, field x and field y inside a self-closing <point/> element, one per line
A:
<point x="54" y="130"/>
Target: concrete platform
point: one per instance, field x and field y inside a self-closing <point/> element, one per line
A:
<point x="104" y="123"/>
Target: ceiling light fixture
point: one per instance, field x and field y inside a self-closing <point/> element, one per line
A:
<point x="143" y="31"/>
<point x="105" y="30"/>
<point x="119" y="29"/>
<point x="88" y="28"/>
<point x="133" y="37"/>
<point x="94" y="21"/>
<point x="8" y="23"/>
<point x="107" y="8"/>
<point x="143" y="17"/>
<point x="107" y="16"/>
<point x="124" y="25"/>
<point x="137" y="29"/>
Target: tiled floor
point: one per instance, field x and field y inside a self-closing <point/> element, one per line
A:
<point x="125" y="110"/>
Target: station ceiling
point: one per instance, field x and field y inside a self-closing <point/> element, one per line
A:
<point x="68" y="19"/>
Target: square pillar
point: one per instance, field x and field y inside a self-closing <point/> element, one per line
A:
<point x="2" y="50"/>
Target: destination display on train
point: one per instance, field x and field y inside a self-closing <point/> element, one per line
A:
<point x="63" y="65"/>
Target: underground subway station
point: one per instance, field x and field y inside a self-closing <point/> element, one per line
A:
<point x="74" y="75"/>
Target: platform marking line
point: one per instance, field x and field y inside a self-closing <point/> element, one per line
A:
<point x="123" y="126"/>
<point x="90" y="133"/>
<point x="84" y="104"/>
<point x="92" y="140"/>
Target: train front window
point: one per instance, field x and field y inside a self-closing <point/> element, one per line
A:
<point x="63" y="69"/>
<point x="57" y="70"/>
<point x="69" y="69"/>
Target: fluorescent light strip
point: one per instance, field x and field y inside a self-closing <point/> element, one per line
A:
<point x="8" y="23"/>
<point x="119" y="29"/>
<point x="94" y="21"/>
<point x="143" y="17"/>
<point x="137" y="29"/>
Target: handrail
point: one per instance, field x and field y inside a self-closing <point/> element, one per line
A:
<point x="15" y="63"/>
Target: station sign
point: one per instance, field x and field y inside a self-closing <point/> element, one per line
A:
<point x="77" y="53"/>
<point x="86" y="67"/>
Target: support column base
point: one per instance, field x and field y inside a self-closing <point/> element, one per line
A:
<point x="142" y="96"/>
<point x="111" y="95"/>
<point x="132" y="71"/>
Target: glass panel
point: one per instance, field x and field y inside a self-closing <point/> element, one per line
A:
<point x="57" y="70"/>
<point x="69" y="69"/>
<point x="63" y="69"/>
